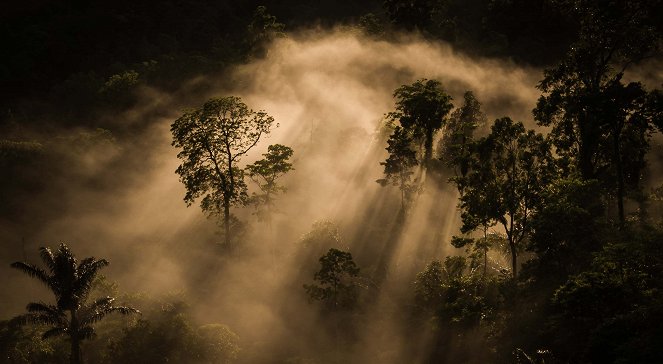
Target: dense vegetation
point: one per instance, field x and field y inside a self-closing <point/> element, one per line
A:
<point x="557" y="255"/>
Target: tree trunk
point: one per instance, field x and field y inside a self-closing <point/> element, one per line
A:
<point x="75" y="356"/>
<point x="586" y="166"/>
<point x="227" y="195"/>
<point x="514" y="257"/>
<point x="226" y="220"/>
<point x="485" y="250"/>
<point x="620" y="177"/>
<point x="584" y="154"/>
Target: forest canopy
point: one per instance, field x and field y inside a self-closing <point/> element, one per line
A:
<point x="516" y="147"/>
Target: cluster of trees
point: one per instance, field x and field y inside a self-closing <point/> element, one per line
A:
<point x="89" y="58"/>
<point x="569" y="210"/>
<point x="54" y="333"/>
<point x="534" y="32"/>
<point x="573" y="203"/>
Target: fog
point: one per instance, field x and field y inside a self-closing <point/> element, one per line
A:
<point x="329" y="92"/>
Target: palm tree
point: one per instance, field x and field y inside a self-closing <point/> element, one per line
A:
<point x="71" y="283"/>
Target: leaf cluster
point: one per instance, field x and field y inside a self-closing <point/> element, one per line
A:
<point x="266" y="172"/>
<point x="421" y="108"/>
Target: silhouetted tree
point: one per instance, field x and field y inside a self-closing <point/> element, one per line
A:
<point x="593" y="114"/>
<point x="458" y="134"/>
<point x="510" y="168"/>
<point x="266" y="172"/>
<point x="453" y="293"/>
<point x="626" y="277"/>
<point x="167" y="334"/>
<point x="399" y="164"/>
<point x="70" y="282"/>
<point x="263" y="28"/>
<point x="336" y="281"/>
<point x="421" y="109"/>
<point x="213" y="139"/>
<point x="459" y="302"/>
<point x="422" y="15"/>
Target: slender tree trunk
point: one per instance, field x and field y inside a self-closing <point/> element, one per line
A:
<point x="226" y="220"/>
<point x="485" y="249"/>
<point x="585" y="154"/>
<point x="463" y="160"/>
<point x="75" y="356"/>
<point x="514" y="257"/>
<point x="620" y="177"/>
<point x="227" y="195"/>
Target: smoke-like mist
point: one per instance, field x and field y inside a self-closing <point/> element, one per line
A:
<point x="329" y="92"/>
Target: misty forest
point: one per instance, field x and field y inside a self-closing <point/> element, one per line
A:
<point x="331" y="181"/>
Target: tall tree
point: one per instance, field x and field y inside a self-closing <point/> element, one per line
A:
<point x="458" y="134"/>
<point x="585" y="100"/>
<point x="413" y="14"/>
<point x="213" y="139"/>
<point x="421" y="109"/>
<point x="263" y="29"/>
<point x="399" y="164"/>
<point x="510" y="167"/>
<point x="71" y="283"/>
<point x="337" y="281"/>
<point x="266" y="172"/>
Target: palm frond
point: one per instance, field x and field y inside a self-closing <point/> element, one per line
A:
<point x="47" y="257"/>
<point x="125" y="310"/>
<point x="34" y="307"/>
<point x="87" y="271"/>
<point x="101" y="302"/>
<point x="36" y="319"/>
<point x="101" y="312"/>
<point x="56" y="331"/>
<point x="33" y="271"/>
<point x="65" y="263"/>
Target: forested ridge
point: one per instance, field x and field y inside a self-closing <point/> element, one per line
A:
<point x="427" y="181"/>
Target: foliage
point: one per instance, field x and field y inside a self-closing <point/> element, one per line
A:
<point x="458" y="134"/>
<point x="600" y="125"/>
<point x="71" y="283"/>
<point x="478" y="248"/>
<point x="213" y="139"/>
<point x="263" y="29"/>
<point x="324" y="234"/>
<point x="461" y="307"/>
<point x="509" y="169"/>
<point x="19" y="151"/>
<point x="533" y="32"/>
<point x="573" y="204"/>
<point x="24" y="345"/>
<point x="625" y="276"/>
<point x="421" y="110"/>
<point x="455" y="295"/>
<point x="337" y="285"/>
<point x="265" y="174"/>
<point x="372" y="25"/>
<point x="399" y="164"/>
<point x="587" y="291"/>
<point x="168" y="336"/>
